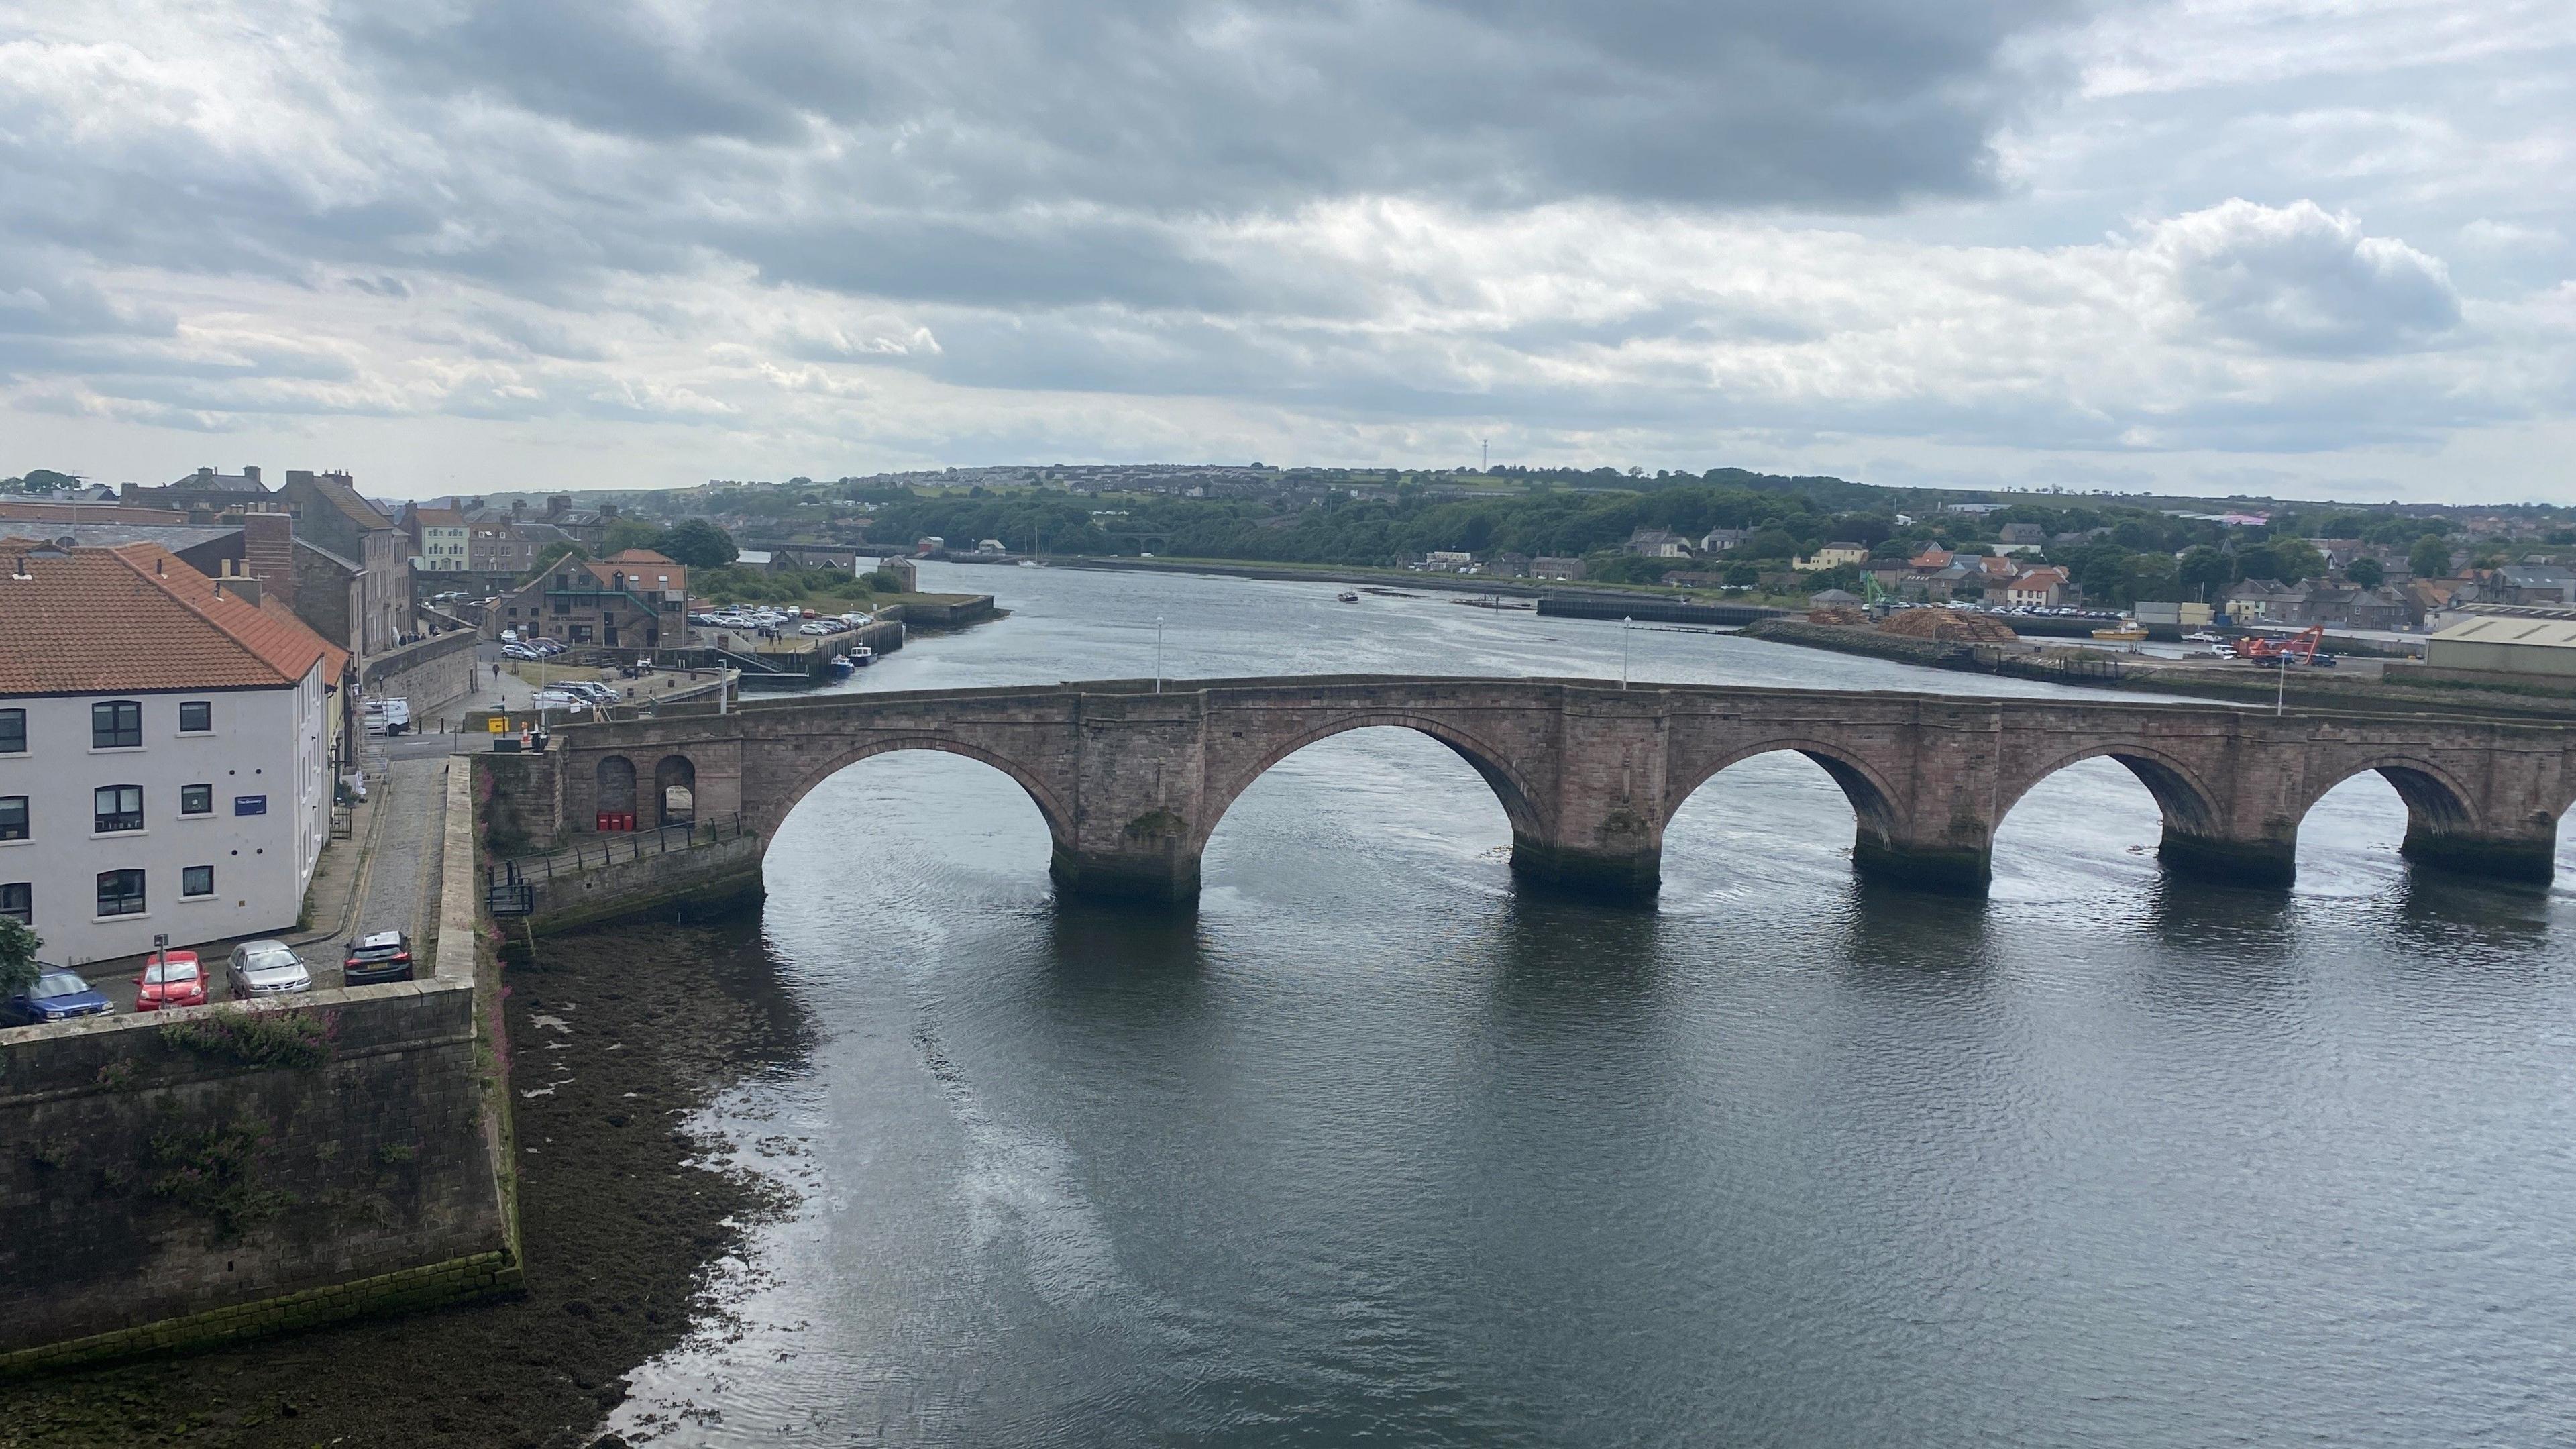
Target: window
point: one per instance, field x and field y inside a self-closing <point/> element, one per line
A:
<point x="196" y="799"/>
<point x="120" y="893"/>
<point x="196" y="716"/>
<point x="13" y="732"/>
<point x="117" y="807"/>
<point x="13" y="817"/>
<point x="116" y="724"/>
<point x="197" y="880"/>
<point x="18" y="902"/>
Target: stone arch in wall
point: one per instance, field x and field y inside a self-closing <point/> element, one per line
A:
<point x="675" y="791"/>
<point x="616" y="785"/>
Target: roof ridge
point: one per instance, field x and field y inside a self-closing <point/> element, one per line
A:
<point x="164" y="584"/>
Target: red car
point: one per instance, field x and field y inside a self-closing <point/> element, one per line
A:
<point x="172" y="978"/>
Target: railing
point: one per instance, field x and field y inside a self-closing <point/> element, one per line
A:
<point x="607" y="850"/>
<point x="2050" y="668"/>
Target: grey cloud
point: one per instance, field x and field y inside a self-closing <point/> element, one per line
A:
<point x="1190" y="104"/>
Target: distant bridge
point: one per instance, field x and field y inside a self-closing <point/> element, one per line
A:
<point x="1132" y="782"/>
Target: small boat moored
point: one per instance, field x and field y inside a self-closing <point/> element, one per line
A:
<point x="2126" y="633"/>
<point x="861" y="656"/>
<point x="1346" y="597"/>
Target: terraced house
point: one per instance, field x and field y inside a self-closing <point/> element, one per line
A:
<point x="166" y="751"/>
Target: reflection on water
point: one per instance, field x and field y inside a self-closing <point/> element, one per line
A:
<point x="1371" y="1146"/>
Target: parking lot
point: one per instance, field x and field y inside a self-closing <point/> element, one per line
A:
<point x="379" y="879"/>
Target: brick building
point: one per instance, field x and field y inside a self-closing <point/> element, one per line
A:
<point x="632" y="600"/>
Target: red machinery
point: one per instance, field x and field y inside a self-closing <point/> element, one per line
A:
<point x="2299" y="648"/>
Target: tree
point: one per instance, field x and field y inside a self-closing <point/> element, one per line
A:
<point x="553" y="554"/>
<point x="2430" y="558"/>
<point x="18" y="947"/>
<point x="699" y="544"/>
<point x="2366" y="573"/>
<point x="628" y="533"/>
<point x="2204" y="569"/>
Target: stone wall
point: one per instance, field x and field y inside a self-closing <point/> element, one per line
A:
<point x="433" y="674"/>
<point x="219" y="1172"/>
<point x="644" y="875"/>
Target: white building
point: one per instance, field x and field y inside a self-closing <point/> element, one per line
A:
<point x="165" y="752"/>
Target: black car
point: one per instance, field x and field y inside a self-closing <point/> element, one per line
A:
<point x="384" y="956"/>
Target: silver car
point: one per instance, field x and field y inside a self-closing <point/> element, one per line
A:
<point x="266" y="968"/>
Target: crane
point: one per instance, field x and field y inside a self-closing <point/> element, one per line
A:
<point x="2299" y="648"/>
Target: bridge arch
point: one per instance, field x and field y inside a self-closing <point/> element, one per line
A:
<point x="1059" y="820"/>
<point x="2187" y="802"/>
<point x="1489" y="763"/>
<point x="2437" y="802"/>
<point x="1873" y="799"/>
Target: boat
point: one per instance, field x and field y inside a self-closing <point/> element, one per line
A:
<point x="1033" y="561"/>
<point x="1346" y="597"/>
<point x="861" y="656"/>
<point x="2125" y="633"/>
<point x="840" y="664"/>
<point x="2205" y="636"/>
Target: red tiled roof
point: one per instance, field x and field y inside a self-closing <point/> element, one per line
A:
<point x="643" y="569"/>
<point x="105" y="620"/>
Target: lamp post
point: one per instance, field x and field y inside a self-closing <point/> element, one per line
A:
<point x="2280" y="690"/>
<point x="1158" y="653"/>
<point x="1624" y="621"/>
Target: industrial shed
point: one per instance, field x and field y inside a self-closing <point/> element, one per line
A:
<point x="2506" y="644"/>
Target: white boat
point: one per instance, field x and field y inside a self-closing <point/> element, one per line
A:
<point x="1346" y="597"/>
<point x="862" y="656"/>
<point x="2205" y="636"/>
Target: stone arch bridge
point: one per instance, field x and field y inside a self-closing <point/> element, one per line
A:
<point x="1132" y="781"/>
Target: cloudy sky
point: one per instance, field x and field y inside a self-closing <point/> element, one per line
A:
<point x="2313" y="247"/>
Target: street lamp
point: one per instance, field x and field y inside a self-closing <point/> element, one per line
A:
<point x="1158" y="653"/>
<point x="1624" y="621"/>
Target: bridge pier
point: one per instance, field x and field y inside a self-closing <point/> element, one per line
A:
<point x="2260" y="861"/>
<point x="2528" y="859"/>
<point x="1960" y="870"/>
<point x="1572" y="870"/>
<point x="1168" y="877"/>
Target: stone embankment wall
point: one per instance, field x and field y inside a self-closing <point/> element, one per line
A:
<point x="1844" y="639"/>
<point x="431" y="674"/>
<point x="645" y="875"/>
<point x="218" y="1173"/>
<point x="224" y="1173"/>
<point x="692" y="873"/>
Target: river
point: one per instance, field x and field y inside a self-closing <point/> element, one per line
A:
<point x="1370" y="1148"/>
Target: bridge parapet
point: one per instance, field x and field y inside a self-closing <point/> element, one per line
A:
<point x="1131" y="781"/>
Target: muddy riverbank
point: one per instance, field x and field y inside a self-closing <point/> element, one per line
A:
<point x="619" y="1036"/>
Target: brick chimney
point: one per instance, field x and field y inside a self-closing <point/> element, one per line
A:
<point x="268" y="551"/>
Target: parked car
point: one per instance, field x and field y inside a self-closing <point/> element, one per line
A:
<point x="266" y="968"/>
<point x="557" y="699"/>
<point x="173" y="978"/>
<point x="521" y="652"/>
<point x="58" y="995"/>
<point x="384" y="956"/>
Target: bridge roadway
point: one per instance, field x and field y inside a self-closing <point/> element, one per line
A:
<point x="1132" y="782"/>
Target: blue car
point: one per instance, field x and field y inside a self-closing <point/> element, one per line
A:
<point x="58" y="995"/>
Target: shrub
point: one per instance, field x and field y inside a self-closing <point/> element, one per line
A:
<point x="258" y="1038"/>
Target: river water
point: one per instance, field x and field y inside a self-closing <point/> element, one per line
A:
<point x="1369" y="1148"/>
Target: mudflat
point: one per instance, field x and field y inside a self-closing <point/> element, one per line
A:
<point x="617" y="1036"/>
